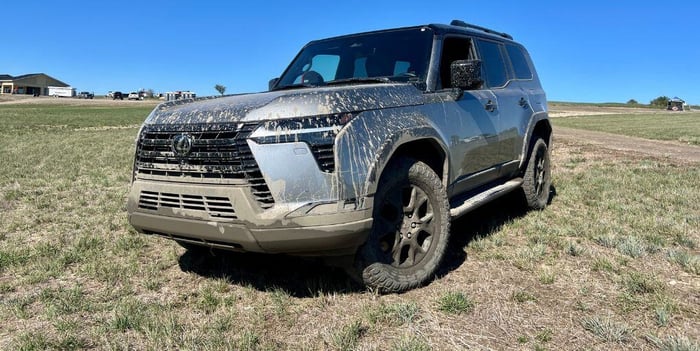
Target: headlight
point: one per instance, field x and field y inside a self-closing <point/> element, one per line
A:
<point x="315" y="130"/>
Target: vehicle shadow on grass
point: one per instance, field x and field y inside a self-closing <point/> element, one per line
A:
<point x="298" y="276"/>
<point x="310" y="277"/>
<point x="481" y="223"/>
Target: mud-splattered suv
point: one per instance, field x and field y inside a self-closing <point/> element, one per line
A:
<point x="367" y="146"/>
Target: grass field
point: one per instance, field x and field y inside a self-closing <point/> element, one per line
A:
<point x="674" y="126"/>
<point x="613" y="263"/>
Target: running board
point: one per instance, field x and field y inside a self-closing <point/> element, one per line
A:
<point x="485" y="197"/>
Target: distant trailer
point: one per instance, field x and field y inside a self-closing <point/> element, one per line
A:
<point x="179" y="95"/>
<point x="61" y="91"/>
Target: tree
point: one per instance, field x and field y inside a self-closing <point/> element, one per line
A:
<point x="220" y="88"/>
<point x="661" y="101"/>
<point x="632" y="102"/>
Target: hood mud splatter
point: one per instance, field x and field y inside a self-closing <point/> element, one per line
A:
<point x="286" y="104"/>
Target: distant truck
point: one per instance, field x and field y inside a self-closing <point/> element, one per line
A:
<point x="677" y="104"/>
<point x="61" y="91"/>
<point x="86" y="95"/>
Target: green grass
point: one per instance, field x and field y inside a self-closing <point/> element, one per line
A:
<point x="29" y="118"/>
<point x="675" y="343"/>
<point x="455" y="303"/>
<point x="348" y="337"/>
<point x="682" y="127"/>
<point x="620" y="239"/>
<point x="607" y="329"/>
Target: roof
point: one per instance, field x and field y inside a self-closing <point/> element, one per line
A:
<point x="456" y="26"/>
<point x="7" y="77"/>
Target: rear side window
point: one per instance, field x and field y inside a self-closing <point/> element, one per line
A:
<point x="519" y="61"/>
<point x="493" y="63"/>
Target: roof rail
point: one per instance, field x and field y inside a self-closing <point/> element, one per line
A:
<point x="459" y="23"/>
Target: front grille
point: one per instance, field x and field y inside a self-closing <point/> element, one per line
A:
<point x="214" y="206"/>
<point x="219" y="154"/>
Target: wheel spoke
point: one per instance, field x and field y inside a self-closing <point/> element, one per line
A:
<point x="413" y="198"/>
<point x="422" y="199"/>
<point x="415" y="253"/>
<point x="397" y="250"/>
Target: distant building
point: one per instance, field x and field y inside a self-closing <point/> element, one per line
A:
<point x="677" y="104"/>
<point x="178" y="95"/>
<point x="29" y="84"/>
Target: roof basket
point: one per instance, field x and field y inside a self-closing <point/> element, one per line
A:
<point x="459" y="23"/>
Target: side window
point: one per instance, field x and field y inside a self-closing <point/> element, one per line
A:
<point x="493" y="63"/>
<point x="519" y="61"/>
<point x="453" y="49"/>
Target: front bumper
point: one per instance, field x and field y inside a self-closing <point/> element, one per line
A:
<point x="227" y="216"/>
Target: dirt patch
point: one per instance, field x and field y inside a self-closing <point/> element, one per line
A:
<point x="564" y="110"/>
<point x="655" y="148"/>
<point x="49" y="100"/>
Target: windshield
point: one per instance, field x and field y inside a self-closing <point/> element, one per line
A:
<point x="399" y="55"/>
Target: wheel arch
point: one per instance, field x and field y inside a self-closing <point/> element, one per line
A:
<point x="428" y="149"/>
<point x="539" y="127"/>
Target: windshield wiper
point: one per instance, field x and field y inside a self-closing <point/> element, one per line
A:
<point x="359" y="80"/>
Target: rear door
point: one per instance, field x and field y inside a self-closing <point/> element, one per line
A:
<point x="511" y="101"/>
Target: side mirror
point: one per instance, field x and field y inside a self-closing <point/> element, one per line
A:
<point x="271" y="84"/>
<point x="466" y="74"/>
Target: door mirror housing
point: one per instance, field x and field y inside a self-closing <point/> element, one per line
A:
<point x="466" y="74"/>
<point x="271" y="84"/>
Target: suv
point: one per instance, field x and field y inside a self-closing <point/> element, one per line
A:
<point x="85" y="95"/>
<point x="366" y="147"/>
<point x="134" y="96"/>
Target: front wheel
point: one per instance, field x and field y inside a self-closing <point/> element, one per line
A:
<point x="537" y="180"/>
<point x="410" y="230"/>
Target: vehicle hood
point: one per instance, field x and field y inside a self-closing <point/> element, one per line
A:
<point x="286" y="104"/>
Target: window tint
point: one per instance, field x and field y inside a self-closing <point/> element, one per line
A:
<point x="519" y="62"/>
<point x="493" y="63"/>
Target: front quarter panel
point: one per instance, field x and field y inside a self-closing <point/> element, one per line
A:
<point x="367" y="144"/>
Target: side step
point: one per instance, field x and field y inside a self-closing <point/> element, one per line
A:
<point x="487" y="196"/>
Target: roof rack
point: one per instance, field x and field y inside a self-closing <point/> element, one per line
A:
<point x="459" y="23"/>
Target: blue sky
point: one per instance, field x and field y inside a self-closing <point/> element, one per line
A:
<point x="592" y="51"/>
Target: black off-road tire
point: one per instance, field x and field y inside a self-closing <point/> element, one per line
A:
<point x="537" y="179"/>
<point x="410" y="231"/>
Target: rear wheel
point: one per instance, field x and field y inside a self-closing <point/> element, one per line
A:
<point x="410" y="230"/>
<point x="538" y="178"/>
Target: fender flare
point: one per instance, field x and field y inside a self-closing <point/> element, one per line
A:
<point x="396" y="141"/>
<point x="536" y="118"/>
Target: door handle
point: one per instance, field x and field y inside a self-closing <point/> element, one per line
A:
<point x="490" y="106"/>
<point x="522" y="102"/>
